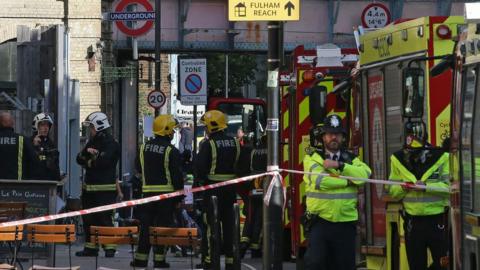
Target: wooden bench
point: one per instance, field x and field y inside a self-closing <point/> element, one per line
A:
<point x="114" y="235"/>
<point x="165" y="236"/>
<point x="51" y="234"/>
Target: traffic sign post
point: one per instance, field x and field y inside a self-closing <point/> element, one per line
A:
<point x="193" y="81"/>
<point x="156" y="99"/>
<point x="264" y="10"/>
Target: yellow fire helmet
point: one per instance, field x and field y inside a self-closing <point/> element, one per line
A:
<point x="214" y="120"/>
<point x="164" y="125"/>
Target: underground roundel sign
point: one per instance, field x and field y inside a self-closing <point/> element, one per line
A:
<point x="375" y="15"/>
<point x="156" y="99"/>
<point x="124" y="16"/>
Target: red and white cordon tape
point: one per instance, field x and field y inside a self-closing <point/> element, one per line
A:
<point x="272" y="171"/>
<point x="132" y="202"/>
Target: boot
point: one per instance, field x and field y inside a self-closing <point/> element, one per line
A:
<point x="87" y="252"/>
<point x="161" y="265"/>
<point x="139" y="263"/>
<point x="110" y="253"/>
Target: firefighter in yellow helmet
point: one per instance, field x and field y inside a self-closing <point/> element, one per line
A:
<point x="424" y="210"/>
<point x="159" y="163"/>
<point x="332" y="201"/>
<point x="214" y="163"/>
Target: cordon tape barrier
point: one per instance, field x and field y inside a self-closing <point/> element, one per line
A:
<point x="272" y="171"/>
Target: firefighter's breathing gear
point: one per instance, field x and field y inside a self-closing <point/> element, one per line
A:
<point x="99" y="121"/>
<point x="214" y="120"/>
<point x="165" y="125"/>
<point x="41" y="117"/>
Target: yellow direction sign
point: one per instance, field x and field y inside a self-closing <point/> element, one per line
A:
<point x="264" y="10"/>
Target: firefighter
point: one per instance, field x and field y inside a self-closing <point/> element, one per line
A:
<point x="47" y="153"/>
<point x="252" y="161"/>
<point x="424" y="210"/>
<point x="331" y="201"/>
<point x="160" y="167"/>
<point x="99" y="158"/>
<point x="214" y="163"/>
<point x="17" y="159"/>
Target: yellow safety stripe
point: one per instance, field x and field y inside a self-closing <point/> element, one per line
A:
<point x="159" y="257"/>
<point x="228" y="260"/>
<point x="141" y="256"/>
<point x="251" y="159"/>
<point x="20" y="158"/>
<point x="237" y="155"/>
<point x="244" y="239"/>
<point x="332" y="196"/>
<point x="158" y="188"/>
<point x="142" y="163"/>
<point x="106" y="187"/>
<point x="220" y="177"/>
<point x="166" y="165"/>
<point x="109" y="246"/>
<point x="214" y="157"/>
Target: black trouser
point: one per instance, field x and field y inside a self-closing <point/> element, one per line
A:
<point x="331" y="245"/>
<point x="158" y="214"/>
<point x="252" y="227"/>
<point x="92" y="199"/>
<point x="422" y="232"/>
<point x="226" y="198"/>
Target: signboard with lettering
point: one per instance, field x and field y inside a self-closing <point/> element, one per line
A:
<point x="40" y="198"/>
<point x="264" y="10"/>
<point x="193" y="81"/>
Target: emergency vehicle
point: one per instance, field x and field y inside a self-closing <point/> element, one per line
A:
<point x="465" y="147"/>
<point x="306" y="98"/>
<point x="395" y="87"/>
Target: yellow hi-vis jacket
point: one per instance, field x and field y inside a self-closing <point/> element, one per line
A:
<point x="329" y="197"/>
<point x="418" y="202"/>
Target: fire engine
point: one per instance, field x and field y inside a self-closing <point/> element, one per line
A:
<point x="465" y="146"/>
<point x="306" y="98"/>
<point x="395" y="87"/>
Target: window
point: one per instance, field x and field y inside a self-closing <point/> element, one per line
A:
<point x="466" y="140"/>
<point x="249" y="117"/>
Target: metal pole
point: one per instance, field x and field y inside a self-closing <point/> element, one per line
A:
<point x="272" y="213"/>
<point x="194" y="154"/>
<point x="158" y="25"/>
<point x="226" y="75"/>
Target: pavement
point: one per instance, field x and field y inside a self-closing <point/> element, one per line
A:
<point x="122" y="259"/>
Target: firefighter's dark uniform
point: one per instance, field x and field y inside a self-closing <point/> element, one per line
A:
<point x="252" y="161"/>
<point x="47" y="153"/>
<point x="99" y="187"/>
<point x="425" y="218"/>
<point x="160" y="165"/>
<point x="215" y="163"/>
<point x="17" y="158"/>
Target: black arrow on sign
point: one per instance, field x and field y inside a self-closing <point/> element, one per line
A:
<point x="289" y="6"/>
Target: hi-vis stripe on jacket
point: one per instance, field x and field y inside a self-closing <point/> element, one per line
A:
<point x="422" y="203"/>
<point x="333" y="198"/>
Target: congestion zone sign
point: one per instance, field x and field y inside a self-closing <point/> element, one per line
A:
<point x="120" y="16"/>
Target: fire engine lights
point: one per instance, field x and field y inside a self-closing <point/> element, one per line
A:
<point x="444" y="32"/>
<point x="310" y="75"/>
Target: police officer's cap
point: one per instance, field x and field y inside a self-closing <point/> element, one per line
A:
<point x="332" y="124"/>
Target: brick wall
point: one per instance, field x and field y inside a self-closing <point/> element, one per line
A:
<point x="145" y="88"/>
<point x="84" y="22"/>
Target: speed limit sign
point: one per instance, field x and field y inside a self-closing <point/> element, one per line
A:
<point x="156" y="99"/>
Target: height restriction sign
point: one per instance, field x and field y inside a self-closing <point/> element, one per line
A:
<point x="193" y="81"/>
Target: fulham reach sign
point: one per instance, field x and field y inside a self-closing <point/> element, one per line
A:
<point x="264" y="10"/>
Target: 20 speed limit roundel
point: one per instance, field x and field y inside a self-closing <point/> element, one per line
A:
<point x="156" y="99"/>
<point x="127" y="30"/>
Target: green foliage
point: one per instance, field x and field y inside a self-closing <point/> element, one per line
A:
<point x="241" y="71"/>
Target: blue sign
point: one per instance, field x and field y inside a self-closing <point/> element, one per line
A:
<point x="193" y="83"/>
